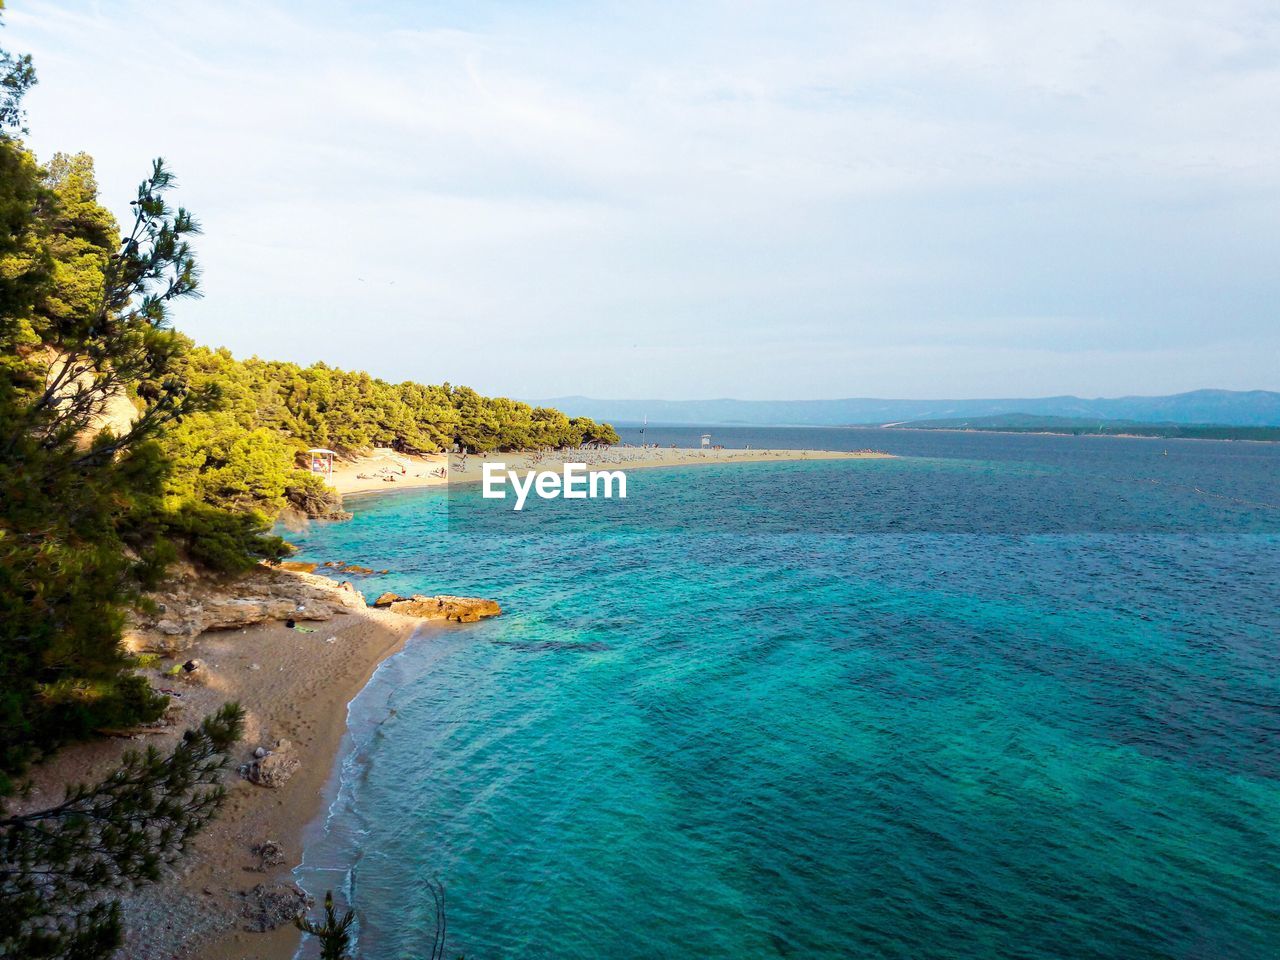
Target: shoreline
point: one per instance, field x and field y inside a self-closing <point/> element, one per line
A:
<point x="222" y="853"/>
<point x="320" y="718"/>
<point x="384" y="471"/>
<point x="293" y="685"/>
<point x="296" y="686"/>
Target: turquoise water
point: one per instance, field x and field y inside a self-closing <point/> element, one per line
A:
<point x="804" y="710"/>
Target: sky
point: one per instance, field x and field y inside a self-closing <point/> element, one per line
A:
<point x="703" y="199"/>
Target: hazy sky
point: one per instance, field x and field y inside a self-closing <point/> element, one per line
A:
<point x="698" y="199"/>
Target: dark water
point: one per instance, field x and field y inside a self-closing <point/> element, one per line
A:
<point x="1006" y="696"/>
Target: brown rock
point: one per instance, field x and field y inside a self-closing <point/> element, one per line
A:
<point x="275" y="768"/>
<point x="387" y="599"/>
<point x="457" y="609"/>
<point x="266" y="908"/>
<point x="186" y="608"/>
<point x="297" y="566"/>
<point x="269" y="854"/>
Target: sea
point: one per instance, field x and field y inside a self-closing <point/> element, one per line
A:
<point x="1001" y="696"/>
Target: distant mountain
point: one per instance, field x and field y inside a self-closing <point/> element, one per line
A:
<point x="1229" y="407"/>
<point x="1096" y="426"/>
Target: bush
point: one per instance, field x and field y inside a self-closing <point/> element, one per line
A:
<point x="223" y="541"/>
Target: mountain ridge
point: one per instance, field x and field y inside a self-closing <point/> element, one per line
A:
<point x="1208" y="406"/>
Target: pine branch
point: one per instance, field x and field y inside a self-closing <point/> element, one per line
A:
<point x="113" y="834"/>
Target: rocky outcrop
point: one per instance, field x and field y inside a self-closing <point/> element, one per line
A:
<point x="457" y="609"/>
<point x="188" y="605"/>
<point x="354" y="568"/>
<point x="269" y="854"/>
<point x="274" y="768"/>
<point x="267" y="907"/>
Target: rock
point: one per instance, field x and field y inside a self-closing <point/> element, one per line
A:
<point x="269" y="854"/>
<point x="387" y="599"/>
<point x="357" y="570"/>
<point x="176" y="628"/>
<point x="195" y="604"/>
<point x="259" y="753"/>
<point x="297" y="566"/>
<point x="457" y="609"/>
<point x="237" y="612"/>
<point x="275" y="768"/>
<point x="268" y="907"/>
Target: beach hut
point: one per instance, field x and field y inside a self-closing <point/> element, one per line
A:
<point x="706" y="441"/>
<point x="322" y="462"/>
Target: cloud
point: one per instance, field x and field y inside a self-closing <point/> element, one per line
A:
<point x="760" y="200"/>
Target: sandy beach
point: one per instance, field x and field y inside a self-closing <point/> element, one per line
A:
<point x="293" y="685"/>
<point x="387" y="470"/>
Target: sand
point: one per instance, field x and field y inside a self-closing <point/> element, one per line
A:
<point x="300" y="692"/>
<point x="294" y="686"/>
<point x="400" y="472"/>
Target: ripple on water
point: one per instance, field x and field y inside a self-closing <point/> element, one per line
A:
<point x="799" y="744"/>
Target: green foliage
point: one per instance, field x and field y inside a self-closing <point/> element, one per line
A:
<point x="80" y="328"/>
<point x="123" y="447"/>
<point x="242" y="455"/>
<point x="55" y="863"/>
<point x="332" y="933"/>
<point x="222" y="540"/>
<point x="17" y="76"/>
<point x="310" y="495"/>
<point x="320" y="406"/>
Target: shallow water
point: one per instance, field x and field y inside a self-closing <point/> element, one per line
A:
<point x="1005" y="697"/>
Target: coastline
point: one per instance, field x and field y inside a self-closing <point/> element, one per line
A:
<point x="295" y="686"/>
<point x="1065" y="433"/>
<point x="309" y="707"/>
<point x="314" y="707"/>
<point x="387" y="471"/>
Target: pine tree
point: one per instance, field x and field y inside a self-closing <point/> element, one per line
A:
<point x="82" y="331"/>
<point x="55" y="864"/>
<point x="88" y="379"/>
<point x="332" y="933"/>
